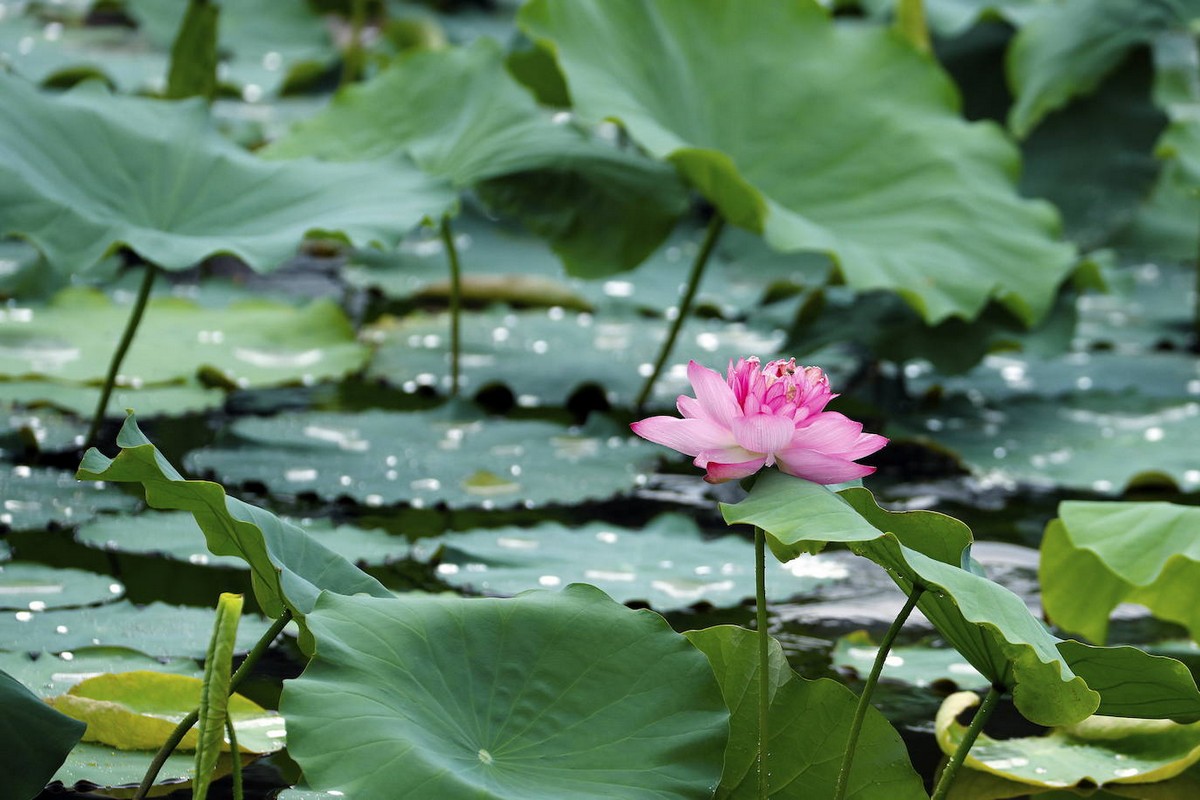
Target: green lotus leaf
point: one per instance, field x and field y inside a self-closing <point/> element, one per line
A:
<point x="809" y="724"/>
<point x="138" y="710"/>
<point x="973" y="785"/>
<point x="265" y="46"/>
<point x="157" y="629"/>
<point x="669" y="564"/>
<point x="34" y="739"/>
<point x="209" y="196"/>
<point x="460" y="115"/>
<point x="541" y="355"/>
<point x="955" y="17"/>
<point x="52" y="674"/>
<point x="289" y="568"/>
<point x="1089" y="441"/>
<point x="562" y="695"/>
<point x="988" y="624"/>
<point x="37" y="404"/>
<point x="715" y="91"/>
<point x="1097" y="751"/>
<point x="1070" y="47"/>
<point x="1143" y="553"/>
<point x="35" y="587"/>
<point x="38" y="497"/>
<point x="427" y="458"/>
<point x="248" y="344"/>
<point x="175" y="535"/>
<point x="1133" y="683"/>
<point x="912" y="664"/>
<point x="92" y="768"/>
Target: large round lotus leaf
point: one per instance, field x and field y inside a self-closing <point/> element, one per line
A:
<point x="248" y="344"/>
<point x="426" y="458"/>
<point x="1098" y="555"/>
<point x="1097" y="751"/>
<point x="51" y="674"/>
<point x="565" y="695"/>
<point x="1100" y="443"/>
<point x="1071" y="47"/>
<point x="72" y="176"/>
<point x="669" y="564"/>
<point x="1147" y="307"/>
<point x="264" y="44"/>
<point x="97" y="767"/>
<point x="26" y="586"/>
<point x="503" y="264"/>
<point x="715" y="90"/>
<point x="544" y="356"/>
<point x="913" y="664"/>
<point x="34" y="740"/>
<point x="36" y="498"/>
<point x="42" y="430"/>
<point x="973" y="785"/>
<point x="157" y="629"/>
<point x="459" y="114"/>
<point x="808" y="726"/>
<point x="176" y="535"/>
<point x="138" y="710"/>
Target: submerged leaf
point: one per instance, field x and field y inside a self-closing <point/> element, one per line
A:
<point x="561" y="696"/>
<point x="715" y="91"/>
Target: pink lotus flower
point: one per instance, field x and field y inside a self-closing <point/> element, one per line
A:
<point x="766" y="417"/>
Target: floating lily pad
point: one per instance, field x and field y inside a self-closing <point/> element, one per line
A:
<point x="804" y="758"/>
<point x="426" y="458"/>
<point x="714" y="91"/>
<point x="1097" y="751"/>
<point x="34" y="739"/>
<point x="51" y="674"/>
<point x="544" y="356"/>
<point x="177" y="536"/>
<point x="156" y="629"/>
<point x="91" y="765"/>
<point x="1100" y="443"/>
<point x="36" y="498"/>
<point x="289" y="568"/>
<point x="459" y="114"/>
<point x="466" y="695"/>
<point x="669" y="564"/>
<point x="138" y="710"/>
<point x="210" y="196"/>
<point x="249" y="344"/>
<point x="1145" y="553"/>
<point x="919" y="666"/>
<point x="26" y="586"/>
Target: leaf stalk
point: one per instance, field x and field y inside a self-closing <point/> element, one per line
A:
<point x="764" y="671"/>
<point x="864" y="699"/>
<point x="960" y="753"/>
<point x="455" y="304"/>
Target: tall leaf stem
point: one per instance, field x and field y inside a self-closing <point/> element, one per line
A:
<point x="352" y="58"/>
<point x="455" y="303"/>
<point x="764" y="666"/>
<point x="114" y="367"/>
<point x="960" y="752"/>
<point x="864" y="699"/>
<point x="235" y="760"/>
<point x="715" y="226"/>
<point x="185" y="724"/>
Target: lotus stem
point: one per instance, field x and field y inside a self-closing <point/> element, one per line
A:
<point x="114" y="367"/>
<point x="455" y="304"/>
<point x="864" y="699"/>
<point x="187" y="722"/>
<point x="352" y="59"/>
<point x="715" y="226"/>
<point x="960" y="752"/>
<point x="764" y="667"/>
<point x="236" y="762"/>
